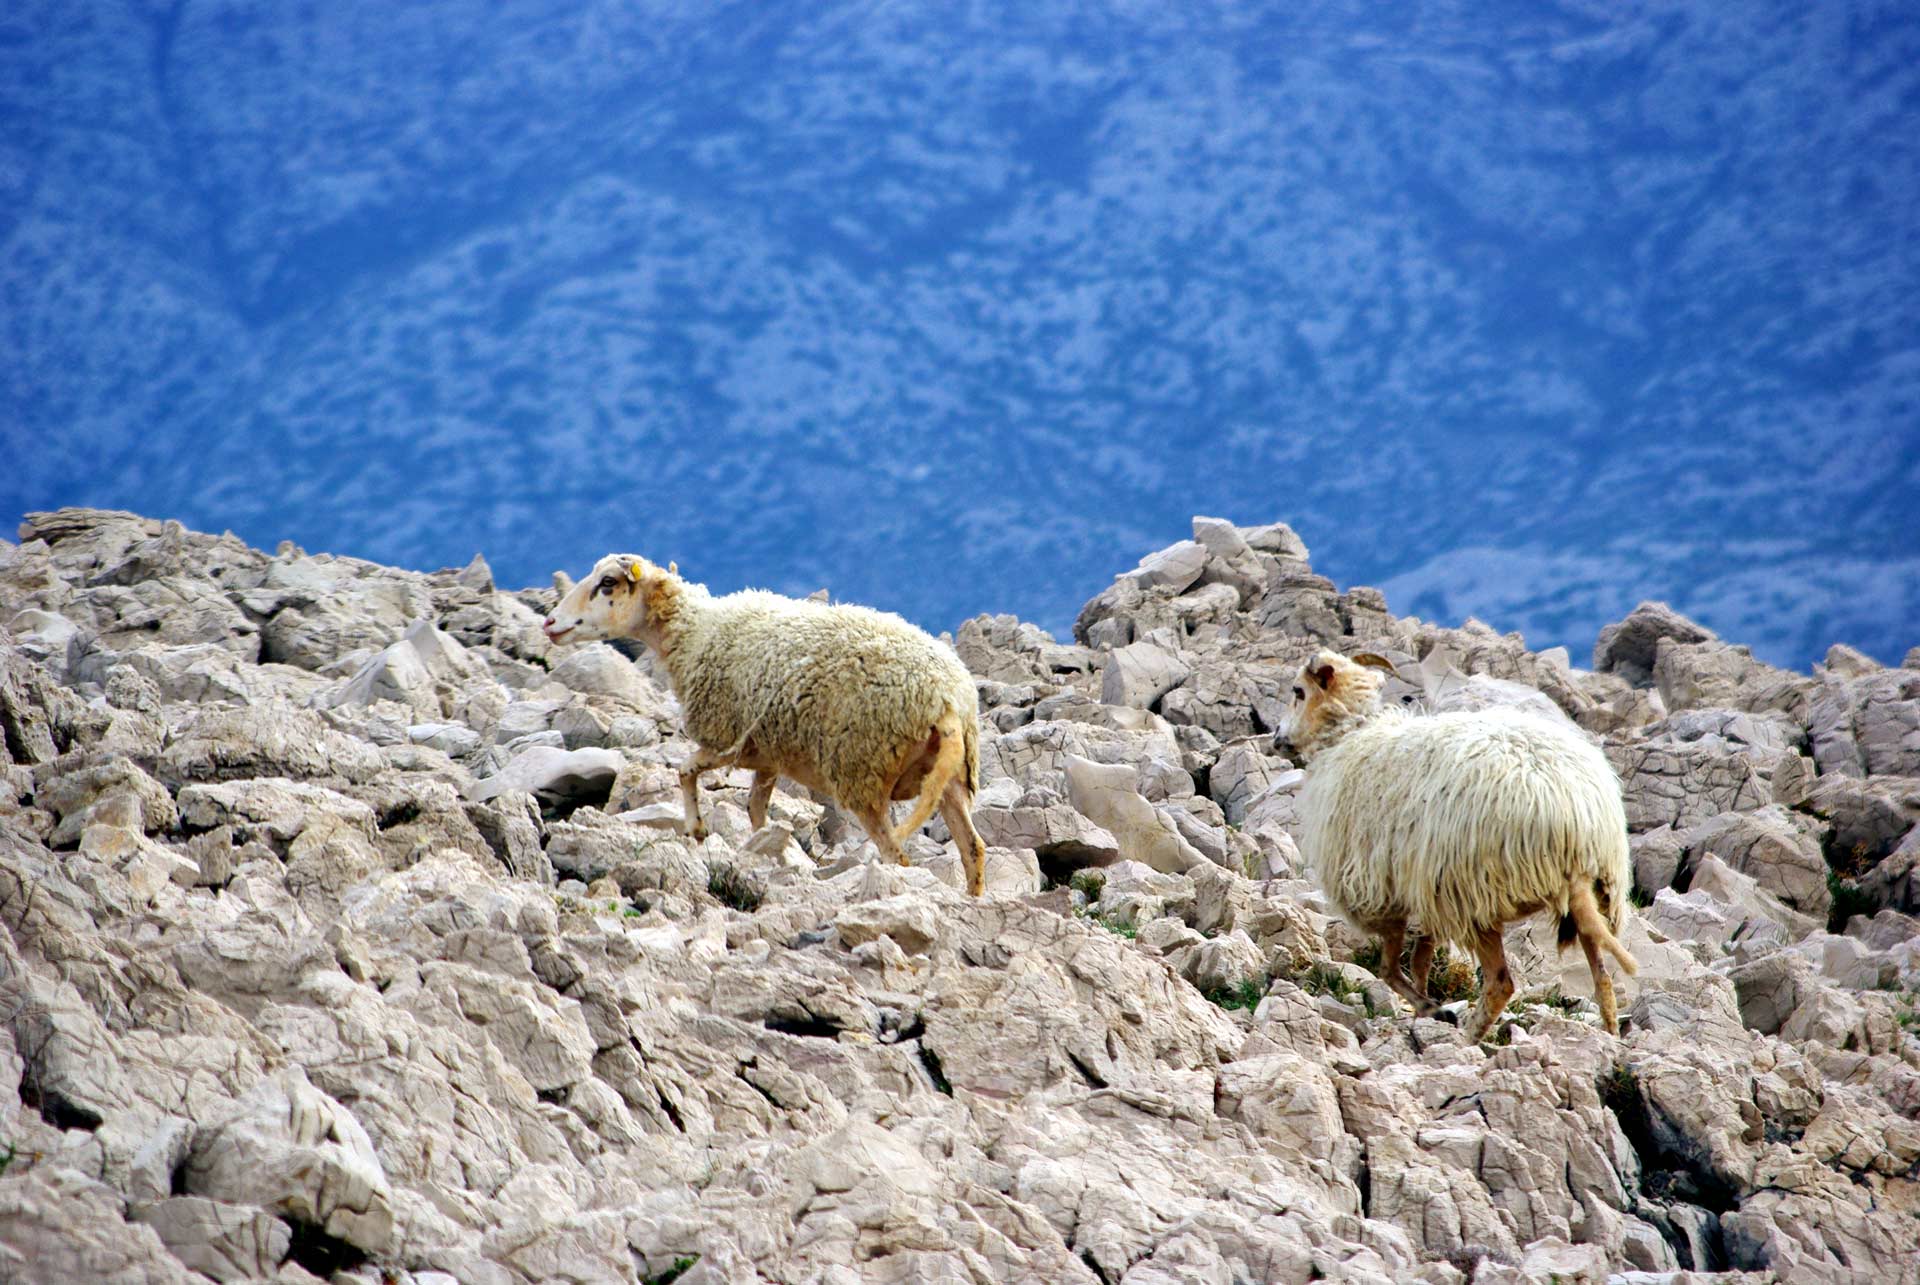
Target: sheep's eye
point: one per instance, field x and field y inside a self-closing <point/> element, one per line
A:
<point x="1299" y="694"/>
<point x="606" y="584"/>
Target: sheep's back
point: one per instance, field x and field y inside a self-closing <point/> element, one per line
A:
<point x="844" y="690"/>
<point x="1463" y="820"/>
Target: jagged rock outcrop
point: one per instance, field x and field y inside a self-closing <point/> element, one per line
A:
<point x="346" y="933"/>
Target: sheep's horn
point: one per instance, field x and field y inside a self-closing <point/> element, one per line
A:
<point x="1373" y="661"/>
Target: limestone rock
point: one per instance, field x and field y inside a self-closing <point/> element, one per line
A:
<point x="57" y="1225"/>
<point x="1105" y="794"/>
<point x="226" y="1242"/>
<point x="553" y="774"/>
<point x="217" y="743"/>
<point x="1766" y="844"/>
<point x="1629" y="647"/>
<point x="1174" y="567"/>
<point x="288" y="1147"/>
<point x="1140" y="673"/>
<point x="301" y="992"/>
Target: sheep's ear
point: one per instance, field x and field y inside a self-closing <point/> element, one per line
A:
<point x="673" y="568"/>
<point x="1321" y="672"/>
<point x="634" y="570"/>
<point x="1373" y="661"/>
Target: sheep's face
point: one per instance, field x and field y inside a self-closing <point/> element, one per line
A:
<point x="610" y="603"/>
<point x="1331" y="695"/>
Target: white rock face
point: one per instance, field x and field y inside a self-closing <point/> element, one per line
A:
<point x="545" y="770"/>
<point x="343" y="938"/>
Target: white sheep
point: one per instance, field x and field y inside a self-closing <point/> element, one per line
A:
<point x="1458" y="824"/>
<point x="854" y="702"/>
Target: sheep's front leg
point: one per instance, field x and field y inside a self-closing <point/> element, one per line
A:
<point x="703" y="760"/>
<point x="879" y="827"/>
<point x="1496" y="983"/>
<point x="1393" y="937"/>
<point x="1422" y="969"/>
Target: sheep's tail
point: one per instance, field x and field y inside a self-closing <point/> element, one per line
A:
<point x="953" y="757"/>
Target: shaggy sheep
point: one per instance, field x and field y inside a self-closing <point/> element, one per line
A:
<point x="1458" y="824"/>
<point x="850" y="701"/>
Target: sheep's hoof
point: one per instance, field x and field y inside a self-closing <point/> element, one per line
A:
<point x="698" y="833"/>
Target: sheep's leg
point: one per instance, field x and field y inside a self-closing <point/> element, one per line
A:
<point x="954" y="810"/>
<point x="1496" y="983"/>
<point x="1587" y="920"/>
<point x="878" y="825"/>
<point x="1602" y="985"/>
<point x="1422" y="968"/>
<point x="759" y="797"/>
<point x="703" y="760"/>
<point x="1393" y="939"/>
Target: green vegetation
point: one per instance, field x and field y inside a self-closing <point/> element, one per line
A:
<point x="1323" y="978"/>
<point x="733" y="888"/>
<point x="1088" y="882"/>
<point x="1246" y="994"/>
<point x="1450" y="978"/>
<point x="681" y="1266"/>
<point x="1620" y="1090"/>
<point x="1848" y="901"/>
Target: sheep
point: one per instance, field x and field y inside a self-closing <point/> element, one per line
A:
<point x="853" y="702"/>
<point x="1460" y="824"/>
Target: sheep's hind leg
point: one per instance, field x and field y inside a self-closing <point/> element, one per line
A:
<point x="1496" y="982"/>
<point x="954" y="810"/>
<point x="1393" y="938"/>
<point x="1586" y="916"/>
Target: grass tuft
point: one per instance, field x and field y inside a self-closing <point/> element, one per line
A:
<point x="1452" y="977"/>
<point x="681" y="1266"/>
<point x="732" y="888"/>
<point x="1848" y="900"/>
<point x="1246" y="994"/>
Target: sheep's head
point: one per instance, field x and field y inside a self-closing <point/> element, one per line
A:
<point x="1331" y="695"/>
<point x="620" y="598"/>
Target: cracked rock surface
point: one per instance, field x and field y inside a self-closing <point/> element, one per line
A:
<point x="347" y="934"/>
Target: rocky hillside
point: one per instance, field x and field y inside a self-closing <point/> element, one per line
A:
<point x="344" y="939"/>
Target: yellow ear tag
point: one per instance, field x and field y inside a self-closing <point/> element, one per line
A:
<point x="633" y="572"/>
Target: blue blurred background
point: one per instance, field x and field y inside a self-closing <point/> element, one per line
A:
<point x="1522" y="310"/>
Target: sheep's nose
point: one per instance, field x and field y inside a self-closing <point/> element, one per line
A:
<point x="1285" y="748"/>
